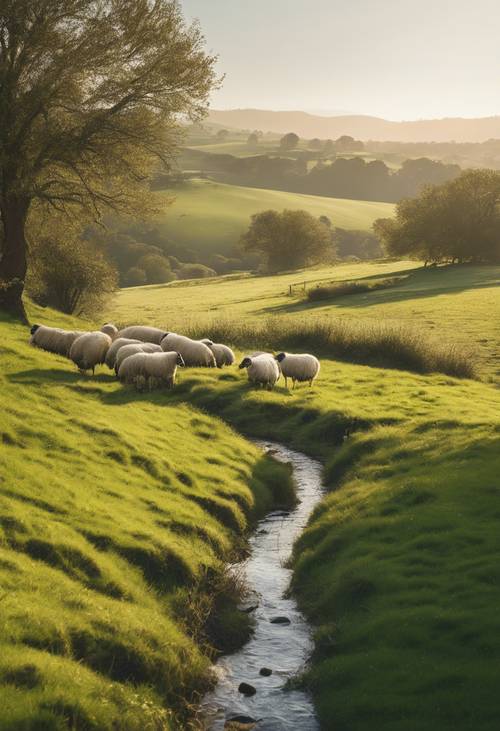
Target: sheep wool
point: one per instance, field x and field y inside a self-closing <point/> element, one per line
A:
<point x="262" y="369"/>
<point x="224" y="356"/>
<point x="90" y="350"/>
<point x="299" y="367"/>
<point x="151" y="369"/>
<point x="110" y="330"/>
<point x="194" y="352"/>
<point x="53" y="339"/>
<point x="127" y="350"/>
<point x="115" y="347"/>
<point x="143" y="332"/>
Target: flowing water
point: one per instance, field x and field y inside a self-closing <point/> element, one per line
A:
<point x="283" y="648"/>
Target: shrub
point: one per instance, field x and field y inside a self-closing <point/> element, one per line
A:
<point x="341" y="289"/>
<point x="135" y="277"/>
<point x="157" y="268"/>
<point x="195" y="271"/>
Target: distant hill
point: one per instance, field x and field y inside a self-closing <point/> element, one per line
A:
<point x="360" y="126"/>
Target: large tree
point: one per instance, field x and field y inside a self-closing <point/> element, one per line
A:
<point x="288" y="240"/>
<point x="91" y="97"/>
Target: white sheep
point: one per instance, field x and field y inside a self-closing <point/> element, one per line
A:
<point x="143" y="332"/>
<point x="194" y="352"/>
<point x="224" y="356"/>
<point x="110" y="330"/>
<point x="90" y="350"/>
<point x="53" y="339"/>
<point x="153" y="369"/>
<point x="299" y="367"/>
<point x="115" y="347"/>
<point x="131" y="349"/>
<point x="261" y="369"/>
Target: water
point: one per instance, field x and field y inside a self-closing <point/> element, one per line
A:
<point x="283" y="648"/>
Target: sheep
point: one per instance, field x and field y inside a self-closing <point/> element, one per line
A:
<point x="144" y="333"/>
<point x="89" y="350"/>
<point x="53" y="339"/>
<point x="127" y="350"/>
<point x="193" y="352"/>
<point x="150" y="368"/>
<point x="110" y="330"/>
<point x="299" y="367"/>
<point x="115" y="347"/>
<point x="261" y="369"/>
<point x="223" y="354"/>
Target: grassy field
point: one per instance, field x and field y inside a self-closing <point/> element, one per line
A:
<point x="210" y="217"/>
<point x="117" y="514"/>
<point x="459" y="304"/>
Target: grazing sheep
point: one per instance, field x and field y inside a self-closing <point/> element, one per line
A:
<point x="261" y="369"/>
<point x="127" y="350"/>
<point x="153" y="369"/>
<point x="144" y="333"/>
<point x="194" y="352"/>
<point x="224" y="356"/>
<point x="54" y="339"/>
<point x="115" y="347"/>
<point x="110" y="330"/>
<point x="90" y="350"/>
<point x="298" y="367"/>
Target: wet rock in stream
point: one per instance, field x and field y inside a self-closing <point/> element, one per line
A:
<point x="246" y="689"/>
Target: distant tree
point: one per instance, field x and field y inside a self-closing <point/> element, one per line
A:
<point x="315" y="144"/>
<point x="329" y="147"/>
<point x="222" y="135"/>
<point x="135" y="277"/>
<point x="195" y="271"/>
<point x="91" y="96"/>
<point x="157" y="269"/>
<point x="361" y="244"/>
<point x="289" y="141"/>
<point x="346" y="143"/>
<point x="287" y="240"/>
<point x="70" y="274"/>
<point x="253" y="139"/>
<point x="458" y="221"/>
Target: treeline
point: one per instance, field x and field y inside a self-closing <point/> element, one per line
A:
<point x="457" y="222"/>
<point x="340" y="177"/>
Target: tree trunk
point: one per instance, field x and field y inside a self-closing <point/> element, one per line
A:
<point x="13" y="263"/>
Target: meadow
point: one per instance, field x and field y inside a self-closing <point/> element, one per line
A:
<point x="210" y="217"/>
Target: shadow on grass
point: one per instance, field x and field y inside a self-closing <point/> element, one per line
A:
<point x="37" y="376"/>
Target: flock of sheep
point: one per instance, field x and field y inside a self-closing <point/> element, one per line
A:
<point x="149" y="357"/>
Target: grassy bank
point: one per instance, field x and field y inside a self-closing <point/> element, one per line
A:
<point x="118" y="512"/>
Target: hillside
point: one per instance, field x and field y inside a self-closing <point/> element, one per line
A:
<point x="359" y="126"/>
<point x="210" y="217"/>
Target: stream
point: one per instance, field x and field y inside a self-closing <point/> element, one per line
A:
<point x="283" y="648"/>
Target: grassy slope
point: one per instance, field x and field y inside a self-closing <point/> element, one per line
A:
<point x="457" y="303"/>
<point x="210" y="217"/>
<point x="398" y="568"/>
<point x="112" y="504"/>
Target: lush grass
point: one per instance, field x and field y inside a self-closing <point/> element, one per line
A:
<point x="118" y="512"/>
<point x="457" y="304"/>
<point x="210" y="217"/>
<point x="334" y="291"/>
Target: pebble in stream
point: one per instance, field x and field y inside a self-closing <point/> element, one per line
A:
<point x="284" y="646"/>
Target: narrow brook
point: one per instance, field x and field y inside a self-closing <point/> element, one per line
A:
<point x="283" y="648"/>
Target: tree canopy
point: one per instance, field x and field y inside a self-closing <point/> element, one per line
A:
<point x="457" y="221"/>
<point x="288" y="240"/>
<point x="91" y="93"/>
<point x="289" y="141"/>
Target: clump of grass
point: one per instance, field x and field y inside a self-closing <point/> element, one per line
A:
<point x="355" y="341"/>
<point x="341" y="289"/>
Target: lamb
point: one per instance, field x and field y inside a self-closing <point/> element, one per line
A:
<point x="223" y="354"/>
<point x="89" y="350"/>
<point x="127" y="350"/>
<point x="298" y="367"/>
<point x="53" y="339"/>
<point x="110" y="330"/>
<point x="261" y="369"/>
<point x="144" y="333"/>
<point x="193" y="352"/>
<point x="150" y="368"/>
<point x="115" y="347"/>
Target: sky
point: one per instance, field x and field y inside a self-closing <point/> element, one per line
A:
<point x="397" y="59"/>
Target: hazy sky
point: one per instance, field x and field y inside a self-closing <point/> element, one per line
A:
<point x="401" y="59"/>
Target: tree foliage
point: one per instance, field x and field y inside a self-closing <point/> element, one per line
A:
<point x="90" y="97"/>
<point x="288" y="240"/>
<point x="457" y="221"/>
<point x="289" y="141"/>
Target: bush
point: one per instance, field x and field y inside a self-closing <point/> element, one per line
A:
<point x="356" y="341"/>
<point x="135" y="277"/>
<point x="341" y="289"/>
<point x="156" y="268"/>
<point x="195" y="271"/>
<point x="71" y="275"/>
